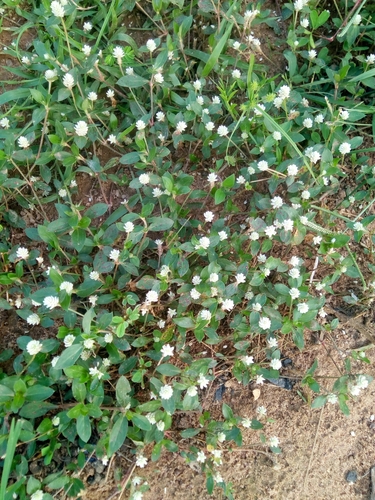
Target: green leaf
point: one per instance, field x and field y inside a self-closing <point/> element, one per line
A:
<point x="36" y="409"/>
<point x="216" y="53"/>
<point x="219" y="196"/>
<point x="141" y="422"/>
<point x="122" y="390"/>
<point x="48" y="236"/>
<point x="227" y="411"/>
<point x="96" y="210"/>
<point x="168" y="369"/>
<point x="229" y="181"/>
<point x="69" y="356"/>
<point x="118" y="434"/>
<point x="130" y="158"/>
<point x="78" y="238"/>
<point x="184" y="322"/>
<point x="132" y="81"/>
<point x="319" y="402"/>
<point x="38" y="393"/>
<point x="189" y="433"/>
<point x="160" y="223"/>
<point x="13" y="95"/>
<point x="84" y="427"/>
<point x="5" y="394"/>
<point x="87" y="320"/>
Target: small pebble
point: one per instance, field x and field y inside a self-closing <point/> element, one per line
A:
<point x="351" y="476"/>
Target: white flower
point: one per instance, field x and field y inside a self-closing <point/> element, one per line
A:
<point x="259" y="379"/>
<point x="332" y="398"/>
<point x="140" y="124"/>
<point x="270" y="231"/>
<point x="159" y="78"/>
<point x="200" y="100"/>
<point x="344" y="114"/>
<point x="358" y="226"/>
<point x="294" y="293"/>
<point x="33" y="347"/>
<point x="312" y="54"/>
<point x="92" y="96"/>
<point x="304" y="23"/>
<point x="23" y="142"/>
<point x="263" y="166"/>
<point x="275" y="364"/>
<point x="370" y="59"/>
<point x="319" y="118"/>
<point x="197" y="85"/>
<point x="57" y="9"/>
<point x="307" y="122"/>
<point x="95" y="372"/>
<point x="210" y="126"/>
<point x="314" y="156"/>
<point x="202" y="381"/>
<point x="246" y="422"/>
<point x="4" y="122"/>
<point x="89" y="343"/>
<point x="54" y="361"/>
<point x="50" y="75"/>
<point x="56" y="421"/>
<point x="118" y="53"/>
<point x="236" y="73"/>
<point x="201" y="457"/>
<point x="305" y="195"/>
<point x="362" y="381"/>
<point x="62" y="193"/>
<point x="357" y="19"/>
<point x="292" y="170"/>
<point x="68" y="81"/>
<point x="256" y="307"/>
<point x="274" y="442"/>
<point x="272" y="342"/>
<point x="317" y="240"/>
<point x="262" y="411"/>
<point x="277" y="136"/>
<point x="160" y="425"/>
<point x="345" y="148"/>
<point x="86" y="49"/>
<point x="166" y="392"/>
<point x="141" y="461"/>
<point x="204" y="243"/>
<point x="128" y="227"/>
<point x="22" y="253"/>
<point x="181" y="127"/>
<point x="194" y="294"/>
<point x="208" y="216"/>
<point x="294" y="273"/>
<point x="167" y="350"/>
<point x="110" y="93"/>
<point x="295" y="261"/>
<point x="33" y="319"/>
<point x="236" y="45"/>
<point x="114" y="255"/>
<point x="222" y="130"/>
<point x="67" y="286"/>
<point x="192" y="391"/>
<point x="112" y="139"/>
<point x="38" y="495"/>
<point x="216" y="99"/>
<point x="277" y="202"/>
<point x="248" y="360"/>
<point x="278" y="102"/>
<point x="205" y="315"/>
<point x="284" y="92"/>
<point x="50" y="302"/>
<point x="81" y="128"/>
<point x="108" y="338"/>
<point x="302" y="308"/>
<point x="288" y="225"/>
<point x="227" y="305"/>
<point x="87" y="27"/>
<point x="129" y="71"/>
<point x="151" y="45"/>
<point x="223" y="235"/>
<point x="196" y="280"/>
<point x="240" y="278"/>
<point x="152" y="296"/>
<point x="160" y="116"/>
<point x="264" y="323"/>
<point x="157" y="192"/>
<point x="214" y="277"/>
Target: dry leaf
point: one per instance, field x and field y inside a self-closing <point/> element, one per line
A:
<point x="256" y="394"/>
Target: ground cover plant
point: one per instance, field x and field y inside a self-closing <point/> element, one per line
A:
<point x="228" y="238"/>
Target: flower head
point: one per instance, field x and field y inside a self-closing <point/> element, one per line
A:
<point x="50" y="302"/>
<point x="33" y="347"/>
<point x="33" y="319"/>
<point x="22" y="253"/>
<point x="345" y="148"/>
<point x="151" y="45"/>
<point x="81" y="128"/>
<point x="23" y="142"/>
<point x="166" y="392"/>
<point x="68" y="81"/>
<point x="57" y="9"/>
